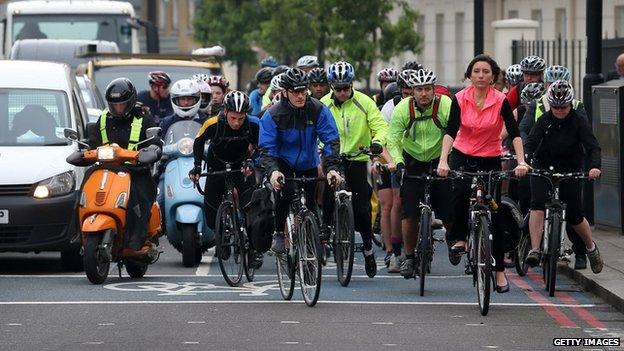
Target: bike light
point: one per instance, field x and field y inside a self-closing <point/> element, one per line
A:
<point x="185" y="146"/>
<point x="58" y="185"/>
<point x="105" y="153"/>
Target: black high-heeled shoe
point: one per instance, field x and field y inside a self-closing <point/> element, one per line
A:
<point x="501" y="289"/>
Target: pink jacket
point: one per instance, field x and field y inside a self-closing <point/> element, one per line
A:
<point x="479" y="132"/>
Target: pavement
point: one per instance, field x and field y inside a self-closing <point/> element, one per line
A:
<point x="609" y="284"/>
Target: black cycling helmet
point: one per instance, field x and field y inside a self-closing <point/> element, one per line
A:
<point x="159" y="78"/>
<point x="120" y="91"/>
<point x="295" y="79"/>
<point x="280" y="69"/>
<point x="264" y="75"/>
<point x="236" y="101"/>
<point x="317" y="75"/>
<point x="412" y="65"/>
<point x="390" y="91"/>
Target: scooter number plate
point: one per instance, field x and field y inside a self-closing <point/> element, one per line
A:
<point x="4" y="216"/>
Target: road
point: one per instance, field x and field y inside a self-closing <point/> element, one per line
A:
<point x="44" y="308"/>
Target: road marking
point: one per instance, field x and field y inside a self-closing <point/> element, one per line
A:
<point x="290" y="343"/>
<point x="251" y="302"/>
<point x="93" y="343"/>
<point x="14" y="324"/>
<point x="203" y="274"/>
<point x="106" y="324"/>
<point x="204" y="267"/>
<point x="475" y="324"/>
<point x="383" y="323"/>
<point x="289" y="322"/>
<point x="196" y="322"/>
<point x="388" y="344"/>
<point x="191" y="342"/>
<point x="491" y="347"/>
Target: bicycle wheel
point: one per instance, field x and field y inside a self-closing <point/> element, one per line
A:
<point x="229" y="245"/>
<point x="484" y="263"/>
<point x="308" y="257"/>
<point x="554" y="246"/>
<point x="424" y="247"/>
<point x="247" y="257"/>
<point x="521" y="252"/>
<point x="285" y="275"/>
<point x="344" y="242"/>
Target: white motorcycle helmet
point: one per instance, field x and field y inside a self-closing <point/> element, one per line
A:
<point x="206" y="96"/>
<point x="185" y="88"/>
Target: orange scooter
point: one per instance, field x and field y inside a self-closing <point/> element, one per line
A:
<point x="103" y="205"/>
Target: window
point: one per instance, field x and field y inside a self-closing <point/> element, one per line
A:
<point x="536" y="15"/>
<point x="459" y="44"/>
<point x="619" y="21"/>
<point x="561" y="23"/>
<point x="439" y="42"/>
<point x="512" y="14"/>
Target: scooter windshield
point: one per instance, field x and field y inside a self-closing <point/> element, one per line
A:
<point x="180" y="130"/>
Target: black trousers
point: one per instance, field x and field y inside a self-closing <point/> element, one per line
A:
<point x="142" y="197"/>
<point x="356" y="177"/>
<point x="285" y="197"/>
<point x="461" y="202"/>
<point x="215" y="188"/>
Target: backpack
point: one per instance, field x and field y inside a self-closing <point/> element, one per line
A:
<point x="434" y="113"/>
<point x="260" y="219"/>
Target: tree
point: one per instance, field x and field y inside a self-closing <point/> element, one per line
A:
<point x="228" y="23"/>
<point x="361" y="33"/>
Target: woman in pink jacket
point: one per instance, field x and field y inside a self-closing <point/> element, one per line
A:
<point x="478" y="114"/>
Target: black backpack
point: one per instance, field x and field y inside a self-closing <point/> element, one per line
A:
<point x="260" y="219"/>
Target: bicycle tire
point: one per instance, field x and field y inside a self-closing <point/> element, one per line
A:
<point x="554" y="245"/>
<point x="285" y="275"/>
<point x="484" y="263"/>
<point x="521" y="252"/>
<point x="229" y="245"/>
<point x="310" y="268"/>
<point x="344" y="242"/>
<point x="424" y="247"/>
<point x="249" y="272"/>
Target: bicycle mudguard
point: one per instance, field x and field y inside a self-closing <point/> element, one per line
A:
<point x="514" y="209"/>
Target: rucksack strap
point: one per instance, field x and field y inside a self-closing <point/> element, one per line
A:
<point x="434" y="113"/>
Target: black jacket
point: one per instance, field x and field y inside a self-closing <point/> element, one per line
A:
<point x="561" y="143"/>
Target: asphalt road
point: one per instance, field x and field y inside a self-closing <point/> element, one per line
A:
<point x="44" y="308"/>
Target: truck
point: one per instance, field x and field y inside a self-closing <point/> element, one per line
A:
<point x="113" y="21"/>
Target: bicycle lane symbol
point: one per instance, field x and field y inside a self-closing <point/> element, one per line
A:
<point x="193" y="288"/>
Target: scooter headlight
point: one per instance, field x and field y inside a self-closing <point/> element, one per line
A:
<point x="105" y="153"/>
<point x="185" y="146"/>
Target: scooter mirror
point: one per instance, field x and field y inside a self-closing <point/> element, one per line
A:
<point x="70" y="134"/>
<point x="152" y="132"/>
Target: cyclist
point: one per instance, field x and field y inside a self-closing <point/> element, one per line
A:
<point x="263" y="77"/>
<point x="557" y="140"/>
<point x="267" y="98"/>
<point x="307" y="63"/>
<point x="384" y="77"/>
<point x="274" y="91"/>
<point x="478" y="113"/>
<point x="289" y="134"/>
<point x="359" y="123"/>
<point x="219" y="86"/>
<point x="513" y="76"/>
<point x="157" y="97"/>
<point x="415" y="143"/>
<point x="319" y="86"/>
<point x="532" y="68"/>
<point x="232" y="134"/>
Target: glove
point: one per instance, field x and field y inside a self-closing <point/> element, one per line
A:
<point x="376" y="149"/>
<point x="334" y="178"/>
<point x="275" y="176"/>
<point x="194" y="173"/>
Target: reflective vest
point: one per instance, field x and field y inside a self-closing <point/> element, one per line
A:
<point x="540" y="109"/>
<point x="135" y="131"/>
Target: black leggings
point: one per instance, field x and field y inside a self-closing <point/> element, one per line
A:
<point x="285" y="197"/>
<point x="461" y="202"/>
<point x="356" y="176"/>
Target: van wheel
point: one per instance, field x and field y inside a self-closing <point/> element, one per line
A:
<point x="71" y="260"/>
<point x="189" y="245"/>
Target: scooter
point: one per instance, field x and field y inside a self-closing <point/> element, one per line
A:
<point x="184" y="207"/>
<point x="103" y="205"/>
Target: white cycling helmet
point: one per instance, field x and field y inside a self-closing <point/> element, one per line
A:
<point x="185" y="88"/>
<point x="308" y="61"/>
<point x="206" y="96"/>
<point x="421" y="77"/>
<point x="276" y="83"/>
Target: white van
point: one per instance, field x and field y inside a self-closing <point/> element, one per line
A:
<point x="38" y="188"/>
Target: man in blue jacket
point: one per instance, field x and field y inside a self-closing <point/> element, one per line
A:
<point x="289" y="134"/>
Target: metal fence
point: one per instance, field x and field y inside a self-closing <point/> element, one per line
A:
<point x="568" y="53"/>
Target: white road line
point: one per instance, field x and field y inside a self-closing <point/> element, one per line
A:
<point x="196" y="322"/>
<point x="204" y="267"/>
<point x="388" y="344"/>
<point x="191" y="342"/>
<point x="289" y="322"/>
<point x="93" y="343"/>
<point x="106" y="324"/>
<point x="290" y="343"/>
<point x="383" y="323"/>
<point x="251" y="302"/>
<point x="14" y="324"/>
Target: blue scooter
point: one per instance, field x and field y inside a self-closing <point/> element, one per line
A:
<point x="183" y="205"/>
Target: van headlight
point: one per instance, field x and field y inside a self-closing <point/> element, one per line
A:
<point x="185" y="146"/>
<point x="58" y="185"/>
<point x="105" y="153"/>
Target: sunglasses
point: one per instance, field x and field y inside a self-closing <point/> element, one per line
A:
<point x="339" y="89"/>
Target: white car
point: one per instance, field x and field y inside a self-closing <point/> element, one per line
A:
<point x="38" y="188"/>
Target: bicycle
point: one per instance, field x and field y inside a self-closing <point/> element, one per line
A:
<point x="232" y="242"/>
<point x="302" y="244"/>
<point x="554" y="224"/>
<point x="479" y="260"/>
<point x="425" y="247"/>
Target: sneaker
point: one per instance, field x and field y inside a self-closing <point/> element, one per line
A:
<point x="278" y="246"/>
<point x="256" y="260"/>
<point x="580" y="261"/>
<point x="395" y="265"/>
<point x="533" y="258"/>
<point x="407" y="268"/>
<point x="370" y="265"/>
<point x="595" y="261"/>
<point x="387" y="259"/>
